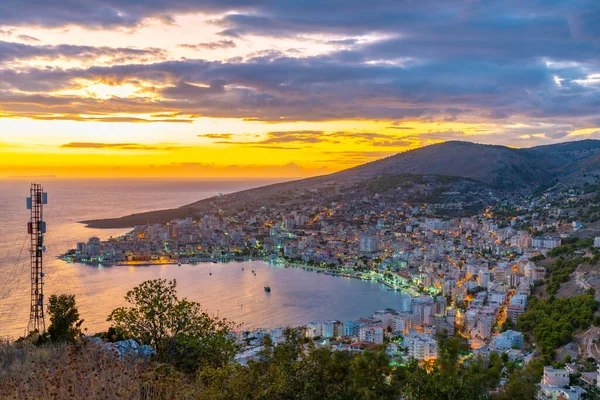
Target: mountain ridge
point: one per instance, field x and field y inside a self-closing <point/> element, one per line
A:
<point x="453" y="166"/>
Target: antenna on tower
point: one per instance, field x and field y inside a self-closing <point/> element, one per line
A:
<point x="36" y="229"/>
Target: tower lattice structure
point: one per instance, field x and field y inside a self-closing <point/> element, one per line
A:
<point x="36" y="229"/>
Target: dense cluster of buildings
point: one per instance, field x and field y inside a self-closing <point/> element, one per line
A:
<point x="463" y="276"/>
<point x="471" y="273"/>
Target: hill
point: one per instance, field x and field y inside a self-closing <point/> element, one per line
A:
<point x="451" y="173"/>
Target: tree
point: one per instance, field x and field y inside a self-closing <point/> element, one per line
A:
<point x="507" y="325"/>
<point x="65" y="325"/>
<point x="179" y="330"/>
<point x="522" y="383"/>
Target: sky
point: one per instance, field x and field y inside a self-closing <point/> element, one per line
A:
<point x="288" y="88"/>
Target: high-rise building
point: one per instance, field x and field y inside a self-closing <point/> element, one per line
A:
<point x="82" y="248"/>
<point x="440" y="305"/>
<point x="484" y="277"/>
<point x="402" y="322"/>
<point x="314" y="329"/>
<point x="351" y="329"/>
<point x="172" y="230"/>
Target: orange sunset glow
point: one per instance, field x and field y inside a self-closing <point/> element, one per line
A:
<point x="201" y="90"/>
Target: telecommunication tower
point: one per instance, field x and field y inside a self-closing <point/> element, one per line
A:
<point x="36" y="229"/>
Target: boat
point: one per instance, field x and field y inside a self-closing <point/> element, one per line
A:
<point x="179" y="264"/>
<point x="268" y="289"/>
<point x="214" y="261"/>
<point x="210" y="273"/>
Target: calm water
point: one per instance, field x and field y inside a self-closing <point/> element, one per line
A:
<point x="298" y="296"/>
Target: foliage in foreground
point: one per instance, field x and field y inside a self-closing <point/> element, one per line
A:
<point x="194" y="361"/>
<point x="292" y="371"/>
<point x="65" y="325"/>
<point x="179" y="330"/>
<point x="289" y="370"/>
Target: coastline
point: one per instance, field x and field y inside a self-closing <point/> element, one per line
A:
<point x="372" y="276"/>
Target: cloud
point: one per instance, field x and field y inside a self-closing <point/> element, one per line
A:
<point x="393" y="143"/>
<point x="104" y="119"/>
<point x="556" y="133"/>
<point x="293" y="137"/>
<point x="11" y="51"/>
<point x="275" y="140"/>
<point x="233" y="33"/>
<point x="221" y="44"/>
<point x="121" y="146"/>
<point x="217" y="135"/>
<point x="27" y="38"/>
<point x="281" y="139"/>
<point x="272" y="147"/>
<point x="321" y="88"/>
<point x="342" y="42"/>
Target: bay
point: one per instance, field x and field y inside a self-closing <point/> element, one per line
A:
<point x="297" y="296"/>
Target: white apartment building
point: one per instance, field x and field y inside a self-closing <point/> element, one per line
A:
<point x="519" y="300"/>
<point x="373" y="334"/>
<point x="485" y="323"/>
<point x="555" y="377"/>
<point x="422" y="347"/>
<point x="314" y="329"/>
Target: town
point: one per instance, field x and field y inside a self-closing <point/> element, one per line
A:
<point x="466" y="276"/>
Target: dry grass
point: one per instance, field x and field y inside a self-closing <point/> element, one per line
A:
<point x="80" y="371"/>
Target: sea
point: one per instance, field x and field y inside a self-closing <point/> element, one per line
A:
<point x="227" y="290"/>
